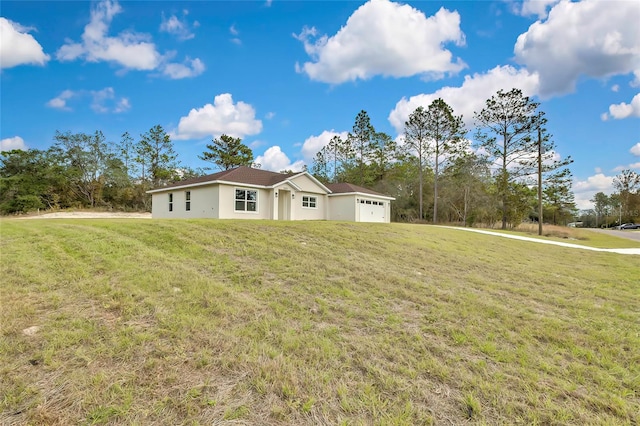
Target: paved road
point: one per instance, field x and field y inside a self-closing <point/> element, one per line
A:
<point x="555" y="243"/>
<point x="629" y="234"/>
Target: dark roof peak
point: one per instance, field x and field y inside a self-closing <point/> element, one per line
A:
<point x="240" y="174"/>
<point x="345" y="188"/>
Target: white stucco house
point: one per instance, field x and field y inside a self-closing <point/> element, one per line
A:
<point x="247" y="193"/>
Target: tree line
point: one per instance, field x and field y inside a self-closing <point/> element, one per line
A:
<point x="85" y="171"/>
<point x="511" y="174"/>
<point x="434" y="173"/>
<point x="622" y="206"/>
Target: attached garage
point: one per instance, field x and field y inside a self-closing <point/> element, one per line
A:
<point x="355" y="203"/>
<point x="371" y="210"/>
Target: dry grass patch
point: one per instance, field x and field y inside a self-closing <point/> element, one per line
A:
<point x="207" y="322"/>
<point x="580" y="236"/>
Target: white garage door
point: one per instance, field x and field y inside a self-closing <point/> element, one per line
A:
<point x="371" y="211"/>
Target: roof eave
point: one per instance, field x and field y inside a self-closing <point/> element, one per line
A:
<point x="212" y="182"/>
<point x="363" y="194"/>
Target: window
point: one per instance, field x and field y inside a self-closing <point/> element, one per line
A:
<point x="309" y="202"/>
<point x="170" y="202"/>
<point x="368" y="201"/>
<point x="246" y="200"/>
<point x="187" y="196"/>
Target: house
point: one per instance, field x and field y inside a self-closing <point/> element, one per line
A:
<point x="247" y="193"/>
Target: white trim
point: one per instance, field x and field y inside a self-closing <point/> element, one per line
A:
<point x="362" y="194"/>
<point x="285" y="182"/>
<point x="249" y="185"/>
<point x="211" y="182"/>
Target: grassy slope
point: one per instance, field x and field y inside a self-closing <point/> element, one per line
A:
<point x="310" y="323"/>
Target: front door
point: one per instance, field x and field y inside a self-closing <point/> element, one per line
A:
<point x="284" y="204"/>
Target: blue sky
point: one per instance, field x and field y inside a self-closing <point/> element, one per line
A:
<point x="285" y="76"/>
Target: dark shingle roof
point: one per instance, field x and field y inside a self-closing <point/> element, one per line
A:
<point x="250" y="176"/>
<point x="241" y="174"/>
<point x="345" y="188"/>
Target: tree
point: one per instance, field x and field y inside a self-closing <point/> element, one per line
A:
<point x="359" y="145"/>
<point x="551" y="171"/>
<point x="627" y="185"/>
<point x="446" y="135"/>
<point x="466" y="182"/>
<point x="601" y="205"/>
<point x="155" y="151"/>
<point x="336" y="154"/>
<point x="87" y="158"/>
<point x="384" y="151"/>
<point x="227" y="152"/>
<point x="126" y="152"/>
<point x="504" y="132"/>
<point x="558" y="198"/>
<point x="415" y="134"/>
<point x="31" y="180"/>
<point x="320" y="166"/>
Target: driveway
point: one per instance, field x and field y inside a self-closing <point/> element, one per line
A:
<point x="555" y="243"/>
<point x="629" y="234"/>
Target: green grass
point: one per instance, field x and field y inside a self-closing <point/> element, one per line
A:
<point x="207" y="322"/>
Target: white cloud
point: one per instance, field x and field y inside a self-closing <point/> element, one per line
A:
<point x="469" y="97"/>
<point x="591" y="37"/>
<point x="615" y="88"/>
<point x="635" y="150"/>
<point x="584" y="190"/>
<point x="105" y="101"/>
<point x="536" y="7"/>
<point x="313" y="144"/>
<point x="129" y="49"/>
<point x="234" y="32"/>
<point x="384" y="38"/>
<point x="223" y="117"/>
<point x="623" y="110"/>
<point x="275" y="160"/>
<point x="9" y="144"/>
<point x="177" y="27"/>
<point x="60" y="101"/>
<point x="102" y="101"/>
<point x="17" y="47"/>
<point x="190" y="68"/>
<point x="269" y="115"/>
<point x="628" y="166"/>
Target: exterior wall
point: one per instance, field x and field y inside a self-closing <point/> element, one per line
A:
<point x="308" y="213"/>
<point x="342" y="207"/>
<point x="204" y="203"/>
<point x="306" y="184"/>
<point x="227" y="196"/>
